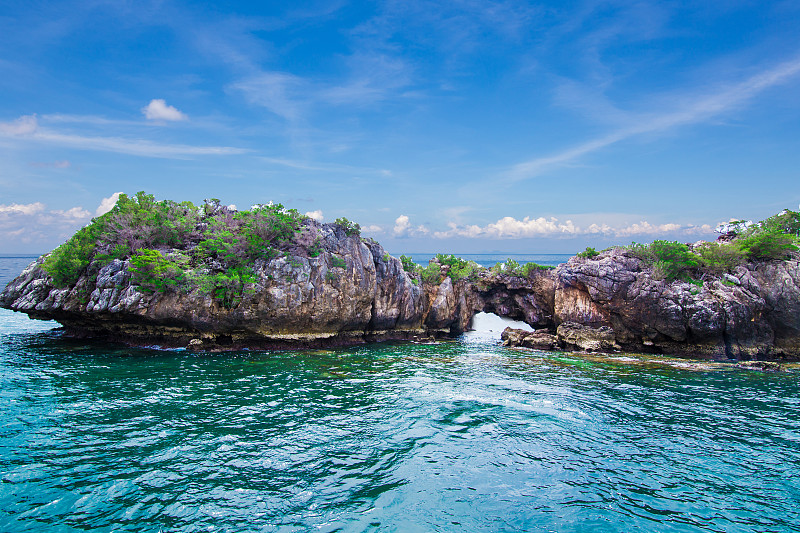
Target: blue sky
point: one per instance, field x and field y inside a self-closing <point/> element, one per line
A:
<point x="461" y="126"/>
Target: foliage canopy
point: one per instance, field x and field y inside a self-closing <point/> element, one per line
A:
<point x="217" y="245"/>
<point x="775" y="238"/>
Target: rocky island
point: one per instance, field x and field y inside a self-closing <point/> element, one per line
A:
<point x="212" y="278"/>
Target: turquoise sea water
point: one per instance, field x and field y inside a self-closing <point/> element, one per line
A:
<point x="456" y="436"/>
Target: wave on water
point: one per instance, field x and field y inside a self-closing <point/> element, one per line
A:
<point x="460" y="435"/>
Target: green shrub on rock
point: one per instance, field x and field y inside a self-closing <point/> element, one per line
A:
<point x="431" y="274"/>
<point x="513" y="268"/>
<point x="228" y="287"/>
<point x="315" y="249"/>
<point x="155" y="272"/>
<point x="768" y="243"/>
<point x="408" y="264"/>
<point x="772" y="239"/>
<point x="141" y="221"/>
<point x="531" y="267"/>
<point x="266" y="225"/>
<point x="458" y="268"/>
<point x="137" y="222"/>
<point x="717" y="258"/>
<point x="350" y="228"/>
<point x="174" y="246"/>
<point x="670" y="260"/>
<point x="66" y="263"/>
<point x="510" y="266"/>
<point x="218" y="245"/>
<point x="787" y="221"/>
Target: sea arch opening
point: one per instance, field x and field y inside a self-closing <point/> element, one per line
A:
<point x="489" y="326"/>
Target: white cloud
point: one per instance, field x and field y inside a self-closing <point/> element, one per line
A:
<point x="512" y="228"/>
<point x="528" y="227"/>
<point x="646" y="228"/>
<point x="24" y="125"/>
<point x="22" y="209"/>
<point x="403" y="228"/>
<point x="232" y="207"/>
<point x="74" y="213"/>
<point x="158" y="109"/>
<point x="23" y="226"/>
<point x="699" y="230"/>
<point x="372" y="228"/>
<point x="600" y="228"/>
<point x="107" y="204"/>
<point x="316" y="215"/>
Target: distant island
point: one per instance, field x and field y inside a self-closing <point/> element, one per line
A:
<point x="209" y="277"/>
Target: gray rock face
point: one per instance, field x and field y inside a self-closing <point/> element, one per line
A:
<point x="295" y="301"/>
<point x="353" y="291"/>
<point x="530" y="299"/>
<point x="583" y="337"/>
<point x="611" y="302"/>
<point x="759" y="315"/>
<point x="764" y="366"/>
<point x="538" y="339"/>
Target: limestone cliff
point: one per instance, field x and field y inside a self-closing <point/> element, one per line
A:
<point x="350" y="290"/>
<point x="755" y="311"/>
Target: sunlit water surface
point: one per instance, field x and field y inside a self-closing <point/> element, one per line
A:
<point x="456" y="436"/>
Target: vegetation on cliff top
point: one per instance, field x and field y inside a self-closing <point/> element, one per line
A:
<point x="456" y="268"/>
<point x="173" y="246"/>
<point x="775" y="238"/>
<point x="440" y="267"/>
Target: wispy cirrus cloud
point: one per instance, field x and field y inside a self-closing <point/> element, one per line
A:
<point x="693" y="111"/>
<point x="454" y="29"/>
<point x="279" y="92"/>
<point x="93" y="120"/>
<point x="372" y="78"/>
<point x="27" y="129"/>
<point x="325" y="167"/>
<point x="23" y="126"/>
<point x="61" y="163"/>
<point x="363" y="75"/>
